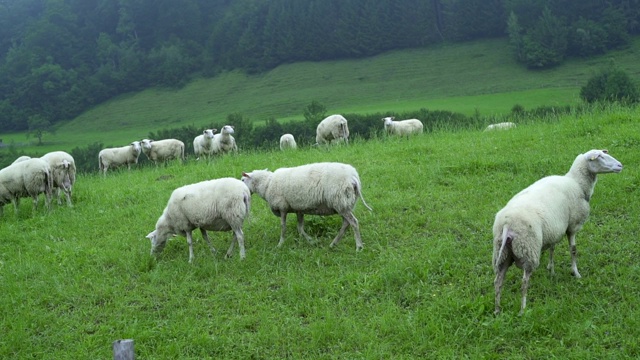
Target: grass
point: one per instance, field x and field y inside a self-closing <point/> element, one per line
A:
<point x="76" y="279"/>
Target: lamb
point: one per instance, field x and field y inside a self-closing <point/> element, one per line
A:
<point x="287" y="141"/>
<point x="317" y="189"/>
<point x="223" y="142"/>
<point x="402" y="127"/>
<point x="332" y="129"/>
<point x="163" y="150"/>
<point x="500" y="126"/>
<point x="63" y="171"/>
<point x="539" y="216"/>
<point x="114" y="157"/>
<point x="31" y="177"/>
<point x="203" y="143"/>
<point x="216" y="205"/>
<point x="21" y="158"/>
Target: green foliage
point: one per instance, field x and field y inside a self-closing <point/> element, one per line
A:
<point x="86" y="158"/>
<point x="545" y="45"/>
<point x="314" y="112"/>
<point x="611" y="84"/>
<point x="38" y="126"/>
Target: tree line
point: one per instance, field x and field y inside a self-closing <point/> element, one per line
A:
<point x="60" y="57"/>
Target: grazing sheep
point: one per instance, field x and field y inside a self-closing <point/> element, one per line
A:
<point x="539" y="216"/>
<point x="31" y="177"/>
<point x="332" y="129"/>
<point x="403" y="127"/>
<point x="63" y="171"/>
<point x="163" y="150"/>
<point x="316" y="189"/>
<point x="114" y="157"/>
<point x="202" y="144"/>
<point x="224" y="142"/>
<point x="216" y="205"/>
<point x="287" y="141"/>
<point x="21" y="158"/>
<point x="500" y="126"/>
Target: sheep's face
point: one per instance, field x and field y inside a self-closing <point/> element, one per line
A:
<point x="146" y="143"/>
<point x="255" y="179"/>
<point x="209" y="133"/>
<point x="227" y="129"/>
<point x="388" y="120"/>
<point x="136" y="146"/>
<point x="600" y="162"/>
<point x="156" y="244"/>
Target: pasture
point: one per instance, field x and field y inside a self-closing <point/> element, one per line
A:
<point x="76" y="279"/>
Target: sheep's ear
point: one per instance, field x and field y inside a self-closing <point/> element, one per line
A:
<point x="244" y="174"/>
<point x="151" y="235"/>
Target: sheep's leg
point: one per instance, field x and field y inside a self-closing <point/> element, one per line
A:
<point x="343" y="229"/>
<point x="67" y="193"/>
<point x="498" y="281"/>
<point x="349" y="219"/>
<point x="238" y="236"/>
<point x="206" y="237"/>
<point x="190" y="242"/>
<point x="283" y="229"/>
<point x="525" y="286"/>
<point x="574" y="255"/>
<point x="301" y="228"/>
<point x="550" y="267"/>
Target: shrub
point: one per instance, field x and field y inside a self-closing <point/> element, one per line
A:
<point x="610" y="85"/>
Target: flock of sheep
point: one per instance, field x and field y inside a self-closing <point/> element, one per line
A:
<point x="534" y="220"/>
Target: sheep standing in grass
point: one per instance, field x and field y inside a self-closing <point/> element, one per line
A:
<point x="114" y="157"/>
<point x="202" y="144"/>
<point x="403" y="127"/>
<point x="316" y="189"/>
<point x="500" y="126"/>
<point x="224" y="142"/>
<point x="216" y="205"/>
<point x="31" y="177"/>
<point x="163" y="150"/>
<point x="63" y="170"/>
<point x="21" y="158"/>
<point x="287" y="141"/>
<point x="332" y="129"/>
<point x="539" y="216"/>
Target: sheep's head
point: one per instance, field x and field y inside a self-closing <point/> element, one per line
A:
<point x="136" y="147"/>
<point x="209" y="133"/>
<point x="146" y="143"/>
<point x="157" y="245"/>
<point x="256" y="179"/>
<point x="227" y="129"/>
<point x="600" y="162"/>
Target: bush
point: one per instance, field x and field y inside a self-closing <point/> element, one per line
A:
<point x="610" y="85"/>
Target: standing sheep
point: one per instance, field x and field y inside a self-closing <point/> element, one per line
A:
<point x="500" y="126"/>
<point x="31" y="177"/>
<point x="316" y="189"/>
<point x="332" y="129"/>
<point x="539" y="216"/>
<point x="216" y="205"/>
<point x="203" y="144"/>
<point x="114" y="157"/>
<point x="224" y="142"/>
<point x="163" y="150"/>
<point x="403" y="127"/>
<point x="287" y="141"/>
<point x="63" y="170"/>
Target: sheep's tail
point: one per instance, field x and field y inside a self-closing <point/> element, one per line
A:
<point x="100" y="166"/>
<point x="504" y="240"/>
<point x="357" y="186"/>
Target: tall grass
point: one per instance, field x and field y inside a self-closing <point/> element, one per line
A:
<point x="76" y="279"/>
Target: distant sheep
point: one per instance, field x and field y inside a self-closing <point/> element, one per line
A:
<point x="163" y="150"/>
<point x="287" y="141"/>
<point x="316" y="189"/>
<point x="63" y="170"/>
<point x="332" y="129"/>
<point x="203" y="144"/>
<point x="216" y="205"/>
<point x="114" y="157"/>
<point x="538" y="217"/>
<point x="224" y="142"/>
<point x="500" y="126"/>
<point x="31" y="177"/>
<point x="21" y="158"/>
<point x="402" y="127"/>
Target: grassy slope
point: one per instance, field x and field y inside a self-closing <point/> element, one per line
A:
<point x="76" y="279"/>
<point x="460" y="77"/>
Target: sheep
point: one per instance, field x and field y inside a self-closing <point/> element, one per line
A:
<point x="402" y="127"/>
<point x="114" y="157"/>
<point x="332" y="129"/>
<point x="163" y="150"/>
<point x="202" y="144"/>
<point x="216" y="205"/>
<point x="500" y="126"/>
<point x="63" y="171"/>
<point x="31" y="177"/>
<point x="223" y="142"/>
<point x="539" y="216"/>
<point x="21" y="158"/>
<point x="287" y="141"/>
<point x="317" y="189"/>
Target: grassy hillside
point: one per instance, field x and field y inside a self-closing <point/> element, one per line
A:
<point x="76" y="279"/>
<point x="478" y="76"/>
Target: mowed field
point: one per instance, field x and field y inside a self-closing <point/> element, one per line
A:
<point x="76" y="279"/>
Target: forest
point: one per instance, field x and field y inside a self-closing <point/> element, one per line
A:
<point x="60" y="57"/>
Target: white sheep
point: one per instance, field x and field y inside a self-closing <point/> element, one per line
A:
<point x="31" y="177"/>
<point x="500" y="126"/>
<point x="202" y="144"/>
<point x="63" y="170"/>
<point x="539" y="216"/>
<point x="316" y="189"/>
<point x="216" y="205"/>
<point x="287" y="141"/>
<point x="402" y="127"/>
<point x="224" y="142"/>
<point x="332" y="129"/>
<point x="163" y="150"/>
<point x="21" y="158"/>
<point x="114" y="157"/>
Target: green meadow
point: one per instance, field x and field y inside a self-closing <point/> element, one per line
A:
<point x="76" y="279"/>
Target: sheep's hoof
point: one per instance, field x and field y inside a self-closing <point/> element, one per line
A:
<point x="359" y="248"/>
